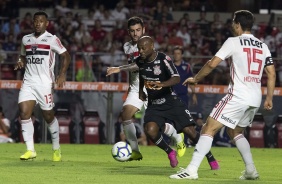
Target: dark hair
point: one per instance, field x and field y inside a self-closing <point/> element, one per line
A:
<point x="245" y="18"/>
<point x="178" y="47"/>
<point x="135" y="20"/>
<point x="40" y="13"/>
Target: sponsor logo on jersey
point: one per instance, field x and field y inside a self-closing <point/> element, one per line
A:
<point x="28" y="40"/>
<point x="34" y="60"/>
<point x="228" y="120"/>
<point x="44" y="40"/>
<point x="34" y="48"/>
<point x="157" y="70"/>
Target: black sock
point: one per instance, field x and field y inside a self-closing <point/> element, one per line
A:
<point x="160" y="142"/>
<point x="210" y="157"/>
<point x="209" y="154"/>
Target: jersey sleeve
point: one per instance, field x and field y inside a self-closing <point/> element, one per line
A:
<point x="57" y="46"/>
<point x="226" y="50"/>
<point x="23" y="51"/>
<point x="170" y="67"/>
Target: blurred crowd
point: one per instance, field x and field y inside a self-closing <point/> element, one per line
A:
<point x="95" y="39"/>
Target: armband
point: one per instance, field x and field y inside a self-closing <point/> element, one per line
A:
<point x="268" y="61"/>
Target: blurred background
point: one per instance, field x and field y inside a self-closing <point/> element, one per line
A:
<point x="94" y="33"/>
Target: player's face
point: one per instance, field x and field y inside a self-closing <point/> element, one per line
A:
<point x="145" y="49"/>
<point x="40" y="24"/>
<point x="177" y="55"/>
<point x="136" y="32"/>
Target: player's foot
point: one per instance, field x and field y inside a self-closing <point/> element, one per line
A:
<point x="214" y="165"/>
<point x="136" y="155"/>
<point x="184" y="174"/>
<point x="181" y="147"/>
<point x="57" y="156"/>
<point x="249" y="176"/>
<point x="28" y="155"/>
<point x="172" y="158"/>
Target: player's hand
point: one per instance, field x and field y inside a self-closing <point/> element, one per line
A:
<point x="61" y="79"/>
<point x="190" y="80"/>
<point x="142" y="96"/>
<point x="20" y="64"/>
<point x="111" y="70"/>
<point x="268" y="104"/>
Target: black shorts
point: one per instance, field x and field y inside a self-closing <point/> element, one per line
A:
<point x="169" y="108"/>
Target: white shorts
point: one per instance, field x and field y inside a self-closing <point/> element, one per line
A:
<point x="41" y="94"/>
<point x="231" y="113"/>
<point x="133" y="99"/>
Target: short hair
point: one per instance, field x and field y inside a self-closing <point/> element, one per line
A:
<point x="40" y="13"/>
<point x="178" y="47"/>
<point x="135" y="20"/>
<point x="245" y="18"/>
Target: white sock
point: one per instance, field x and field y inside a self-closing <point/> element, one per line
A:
<point x="27" y="132"/>
<point x="171" y="132"/>
<point x="244" y="148"/>
<point x="54" y="131"/>
<point x="130" y="134"/>
<point x="202" y="148"/>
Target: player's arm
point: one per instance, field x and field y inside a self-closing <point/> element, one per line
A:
<point x="129" y="67"/>
<point x="142" y="94"/>
<point x="205" y="70"/>
<point x="271" y="78"/>
<point x="170" y="82"/>
<point x="22" y="59"/>
<point x="65" y="61"/>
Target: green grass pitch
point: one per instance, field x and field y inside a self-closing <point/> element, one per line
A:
<point x="94" y="164"/>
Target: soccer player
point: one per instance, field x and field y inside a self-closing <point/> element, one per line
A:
<point x="237" y="109"/>
<point x="38" y="58"/>
<point x="132" y="103"/>
<point x="158" y="74"/>
<point x="184" y="70"/>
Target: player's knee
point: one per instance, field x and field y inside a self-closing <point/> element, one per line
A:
<point x="24" y="115"/>
<point x="151" y="129"/>
<point x="48" y="116"/>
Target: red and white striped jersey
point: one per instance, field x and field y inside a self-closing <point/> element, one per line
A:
<point x="40" y="57"/>
<point x="249" y="57"/>
<point x="132" y="52"/>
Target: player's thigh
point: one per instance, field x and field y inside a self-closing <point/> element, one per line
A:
<point x="26" y="101"/>
<point x="228" y="112"/>
<point x="248" y="117"/>
<point x="211" y="127"/>
<point x="131" y="105"/>
<point x="44" y="96"/>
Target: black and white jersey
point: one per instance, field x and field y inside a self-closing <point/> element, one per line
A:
<point x="160" y="69"/>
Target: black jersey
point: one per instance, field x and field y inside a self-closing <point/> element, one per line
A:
<point x="160" y="69"/>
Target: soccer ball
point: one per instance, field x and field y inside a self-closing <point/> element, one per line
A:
<point x="121" y="151"/>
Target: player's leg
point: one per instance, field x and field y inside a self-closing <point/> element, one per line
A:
<point x="45" y="100"/>
<point x="26" y="109"/>
<point x="152" y="130"/>
<point x="170" y="131"/>
<point x="26" y="103"/>
<point x="202" y="148"/>
<point x="243" y="145"/>
<point x="194" y="136"/>
<point x="131" y="105"/>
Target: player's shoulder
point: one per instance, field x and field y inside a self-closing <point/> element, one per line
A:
<point x="128" y="44"/>
<point x="163" y="56"/>
<point x="27" y="37"/>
